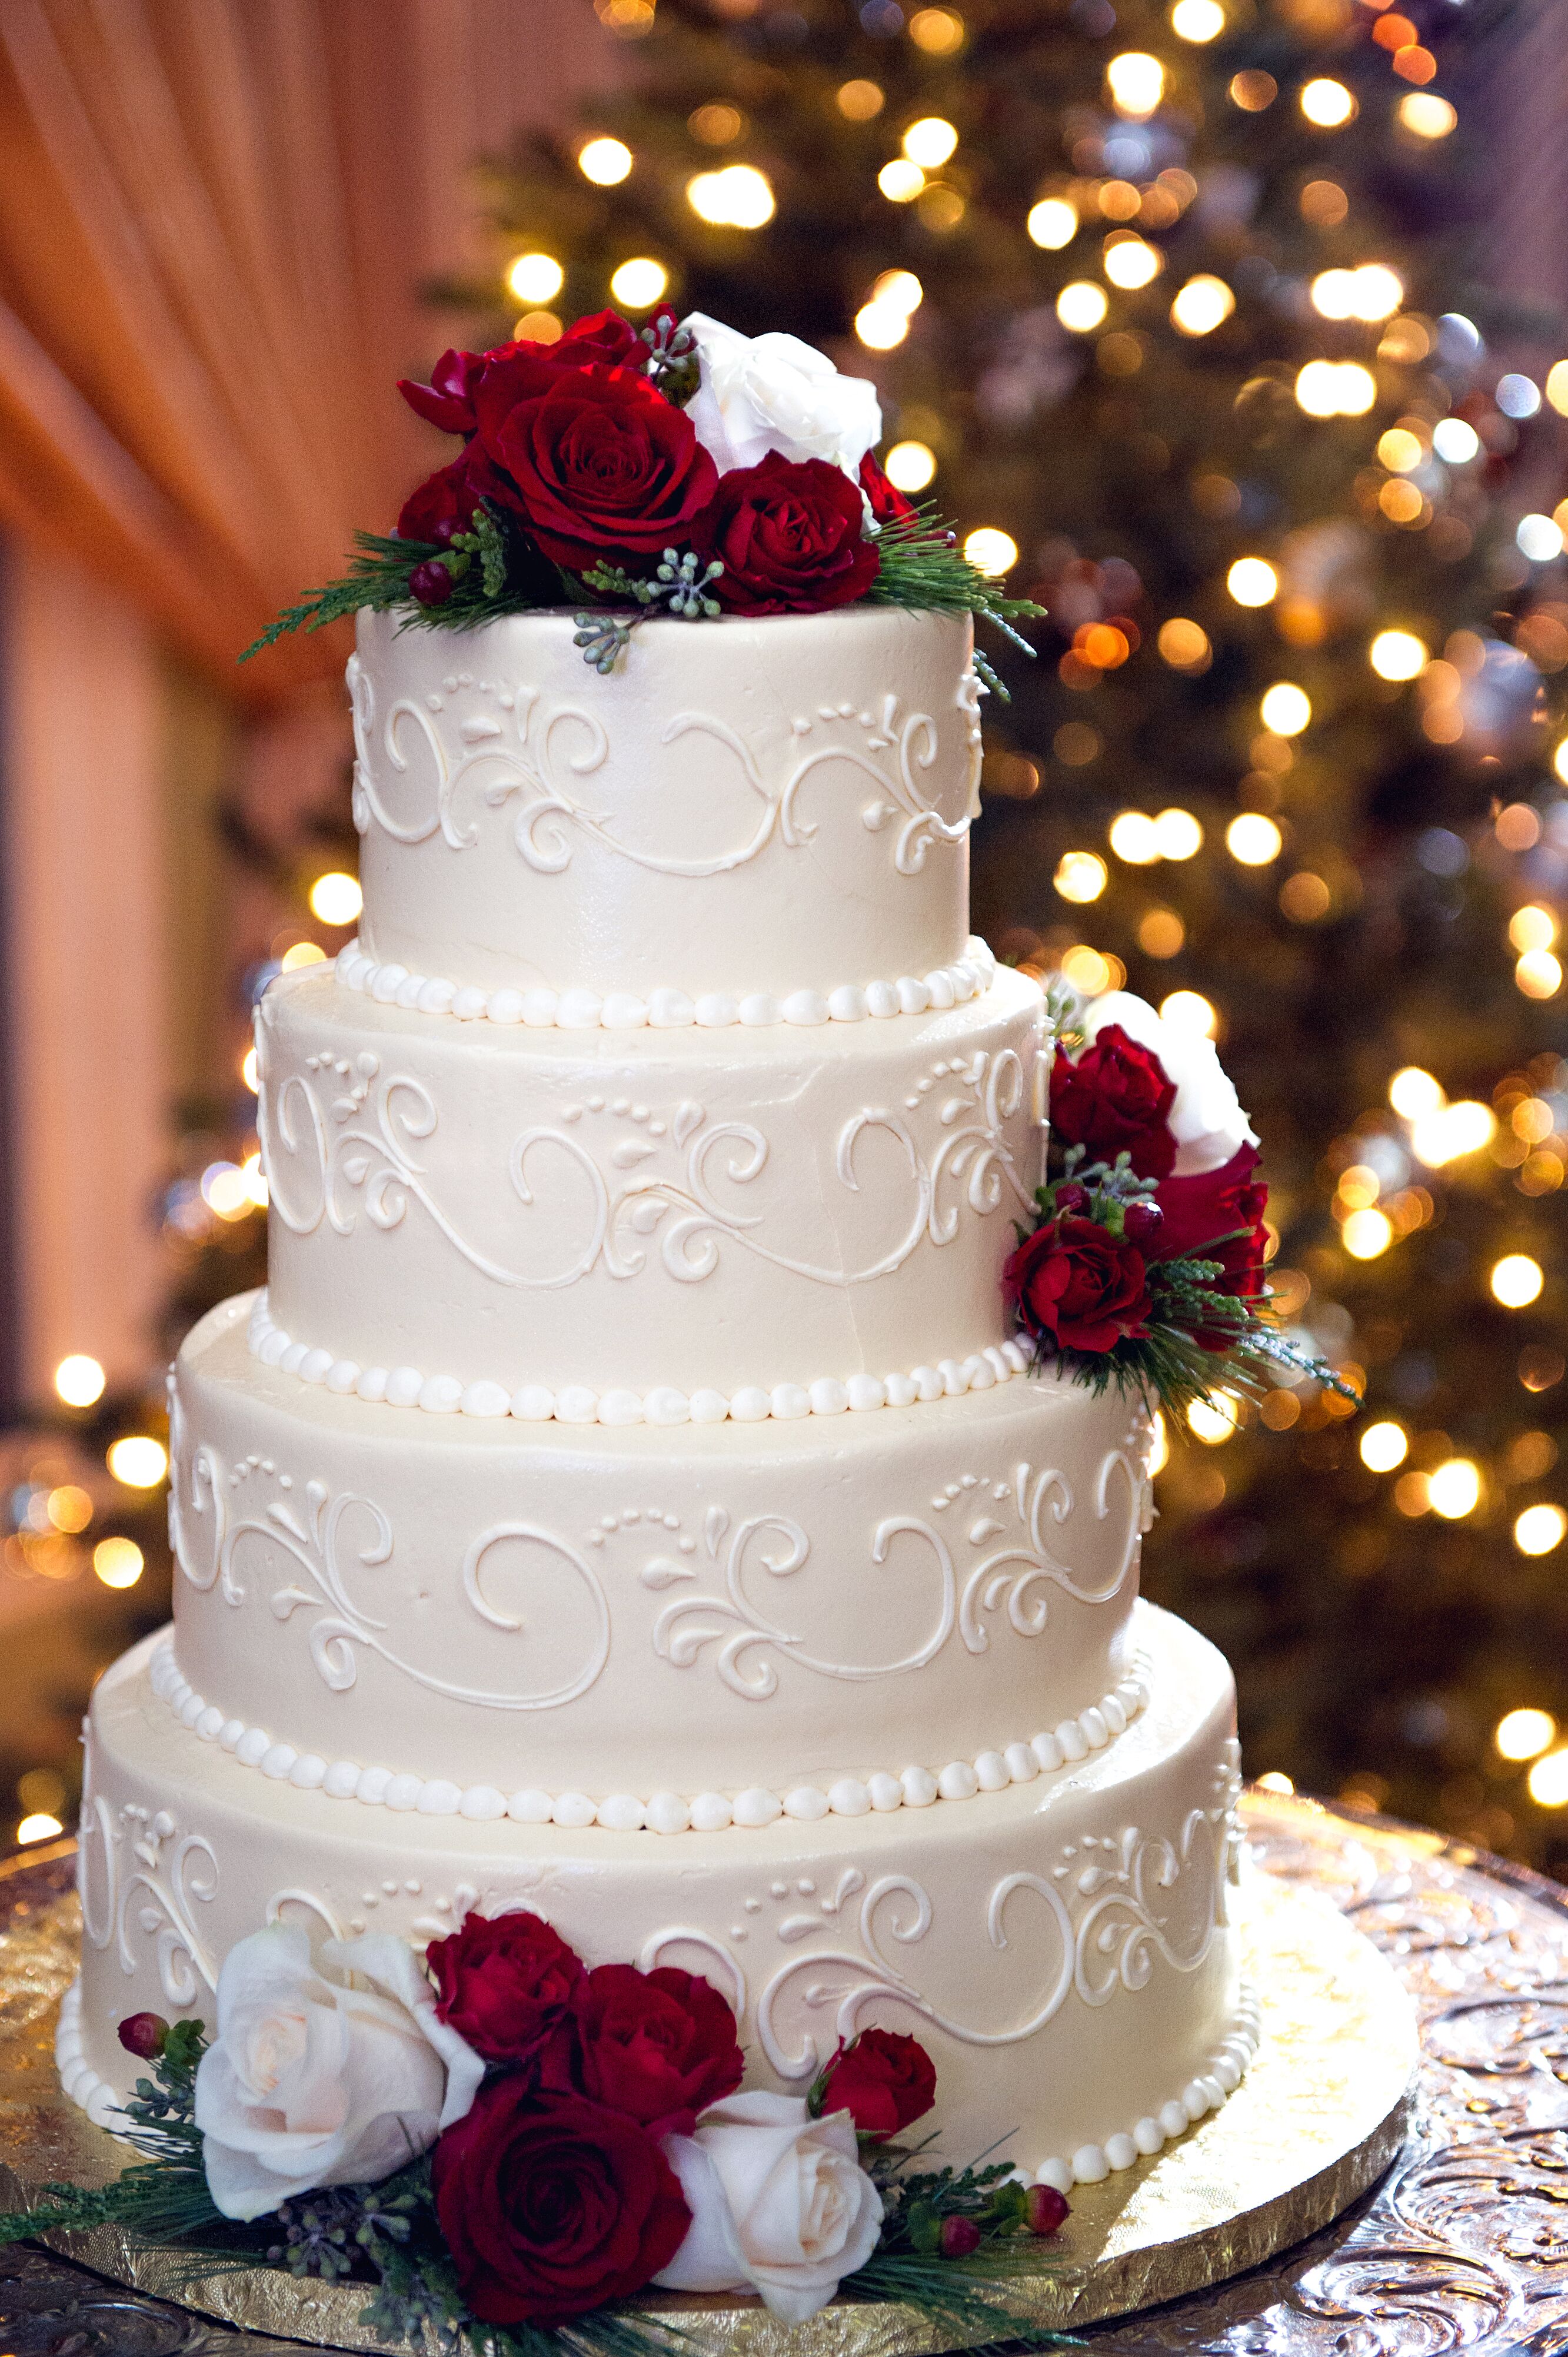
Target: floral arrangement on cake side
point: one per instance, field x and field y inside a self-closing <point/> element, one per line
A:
<point x="497" y="2141"/>
<point x="679" y="468"/>
<point x="1147" y="1265"/>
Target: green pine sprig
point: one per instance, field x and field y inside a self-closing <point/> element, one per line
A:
<point x="922" y="567"/>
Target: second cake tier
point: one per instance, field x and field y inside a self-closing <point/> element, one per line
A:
<point x="682" y="1221"/>
<point x="460" y="1616"/>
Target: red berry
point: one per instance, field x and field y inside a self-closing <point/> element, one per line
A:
<point x="142" y="2034"/>
<point x="1045" y="2209"/>
<point x="430" y="584"/>
<point x="961" y="2236"/>
<point x="1142" y="1223"/>
<point x="1072" y="1200"/>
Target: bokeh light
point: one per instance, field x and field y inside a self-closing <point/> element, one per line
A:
<point x="79" y="1379"/>
<point x="1081" y="306"/>
<point x="1398" y="655"/>
<point x="1453" y="1490"/>
<point x="1367" y="1233"/>
<point x="1284" y="708"/>
<point x="1134" y="837"/>
<point x="1384" y="1446"/>
<point x="1203" y="304"/>
<point x="605" y="162"/>
<point x="1426" y="115"/>
<point x="1208" y="1421"/>
<point x="117" y="1562"/>
<point x="1253" y="840"/>
<point x="737" y="197"/>
<point x="1136" y="82"/>
<point x="1052" y="223"/>
<point x="1523" y="1734"/>
<point x="910" y="465"/>
<point x="1081" y="875"/>
<point x="1516" y="1280"/>
<point x="1188" y="1010"/>
<point x="640" y="283"/>
<point x="990" y="551"/>
<point x="1412" y="1093"/>
<point x="138" y="1460"/>
<point x="1197" y="20"/>
<point x="1540" y="1530"/>
<point x="1547" y="1782"/>
<point x="38" y="1826"/>
<point x="1327" y="104"/>
<point x="1252" y="581"/>
<point x="535" y="277"/>
<point x="929" y="141"/>
<point x="336" y="898"/>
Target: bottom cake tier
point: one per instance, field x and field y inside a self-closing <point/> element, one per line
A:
<point x="1068" y="1957"/>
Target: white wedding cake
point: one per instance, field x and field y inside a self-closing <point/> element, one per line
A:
<point x="626" y="1501"/>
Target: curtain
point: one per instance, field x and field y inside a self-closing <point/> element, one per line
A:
<point x="216" y="218"/>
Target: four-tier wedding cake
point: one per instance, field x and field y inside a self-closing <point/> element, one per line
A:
<point x="628" y="1501"/>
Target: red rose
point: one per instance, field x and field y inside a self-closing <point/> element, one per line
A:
<point x="1115" y="1097"/>
<point x="444" y="503"/>
<point x="447" y="401"/>
<point x="604" y="467"/>
<point x="552" y="2205"/>
<point x="888" y="505"/>
<point x="505" y="1982"/>
<point x="659" y="2046"/>
<point x="1078" y="1286"/>
<point x="884" y="2081"/>
<point x="791" y="536"/>
<point x="1197" y="1212"/>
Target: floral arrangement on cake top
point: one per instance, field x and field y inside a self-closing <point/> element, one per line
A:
<point x="497" y="2141"/>
<point x="678" y="468"/>
<point x="1147" y="1265"/>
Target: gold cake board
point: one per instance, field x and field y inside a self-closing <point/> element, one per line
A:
<point x="1321" y="2114"/>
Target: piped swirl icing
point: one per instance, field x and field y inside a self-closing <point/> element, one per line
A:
<point x="661" y="1813"/>
<point x="664" y="1009"/>
<point x="578" y="1404"/>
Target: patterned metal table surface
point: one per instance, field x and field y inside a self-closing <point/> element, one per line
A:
<point x="1463" y="2246"/>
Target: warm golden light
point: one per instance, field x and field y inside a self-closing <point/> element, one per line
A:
<point x="1160" y="1439"/>
<point x="1081" y="875"/>
<point x="1285" y="709"/>
<point x="937" y="31"/>
<point x="1133" y="262"/>
<point x="1183" y="644"/>
<point x="336" y="899"/>
<point x="901" y="290"/>
<point x="1547" y="1782"/>
<point x="738" y="197"/>
<point x="1557" y="387"/>
<point x="1134" y="837"/>
<point x="1274" y="1779"/>
<point x="253" y="1180"/>
<point x="1371" y="293"/>
<point x="716" y="124"/>
<point x="1335" y="389"/>
<point x="1454" y="1490"/>
<point x="302" y="953"/>
<point x="1086" y="970"/>
<point x="638" y="283"/>
<point x="1414" y="1093"/>
<point x="1516" y="1280"/>
<point x="1161" y="933"/>
<point x="1426" y="115"/>
<point x="39" y="1827"/>
<point x="1253" y="840"/>
<point x="991" y="551"/>
<point x="1137" y="83"/>
<point x="1533" y="928"/>
<point x="1203" y="304"/>
<point x="1081" y="306"/>
<point x="1252" y="582"/>
<point x="138" y="1460"/>
<point x="1538" y="974"/>
<point x="1208" y="1421"/>
<point x="79" y="1379"/>
<point x="881" y="326"/>
<point x="1384" y="1446"/>
<point x="1523" y="1734"/>
<point x="1197" y="20"/>
<point x="1451" y="1131"/>
<point x="910" y="465"/>
<point x="605" y="162"/>
<point x="535" y="277"/>
<point x="1398" y="654"/>
<point x="929" y="141"/>
<point x="1540" y="1530"/>
<point x="1327" y="104"/>
<point x="117" y="1562"/>
<point x="901" y="181"/>
<point x="1367" y="1233"/>
<point x="1052" y="223"/>
<point x="1400" y="451"/>
<point x="1178" y="835"/>
<point x="249" y="1073"/>
<point x="1188" y="1010"/>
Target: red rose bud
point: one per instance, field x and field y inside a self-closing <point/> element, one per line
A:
<point x="961" y="2238"/>
<point x="1044" y="2208"/>
<point x="506" y="1982"/>
<point x="447" y="401"/>
<point x="659" y="2046"/>
<point x="1141" y="1224"/>
<point x="1116" y="1098"/>
<point x="142" y="2034"/>
<point x="1077" y="1287"/>
<point x="430" y="584"/>
<point x="884" y="2081"/>
<point x="791" y="536"/>
<point x="887" y="504"/>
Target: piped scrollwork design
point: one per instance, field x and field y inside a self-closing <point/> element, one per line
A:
<point x="1015" y="1577"/>
<point x="168" y="1876"/>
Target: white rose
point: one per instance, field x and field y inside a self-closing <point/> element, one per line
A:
<point x="310" y="2082"/>
<point x="779" y="2202"/>
<point x="773" y="393"/>
<point x="1207" y="1120"/>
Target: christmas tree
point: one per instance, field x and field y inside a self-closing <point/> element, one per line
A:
<point x="1168" y="316"/>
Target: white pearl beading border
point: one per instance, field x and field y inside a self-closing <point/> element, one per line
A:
<point x="663" y="1813"/>
<point x="81" y="2083"/>
<point x="669" y="1010"/>
<point x="1205" y="2092"/>
<point x="577" y="1403"/>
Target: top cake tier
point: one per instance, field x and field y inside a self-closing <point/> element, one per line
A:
<point x="737" y="807"/>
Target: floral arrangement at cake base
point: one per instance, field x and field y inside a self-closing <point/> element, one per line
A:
<point x="497" y="2141"/>
<point x="679" y="468"/>
<point x="1147" y="1265"/>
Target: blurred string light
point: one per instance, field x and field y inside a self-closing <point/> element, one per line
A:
<point x="1533" y="928"/>
<point x="1327" y="104"/>
<point x="1188" y="1010"/>
<point x="1398" y="655"/>
<point x="79" y="1379"/>
<point x="929" y="141"/>
<point x="1371" y="294"/>
<point x="910" y="465"/>
<point x="138" y="1460"/>
<point x="1384" y="1446"/>
<point x="991" y="551"/>
<point x="901" y="181"/>
<point x="1524" y="1733"/>
<point x="1197" y="20"/>
<point x="1367" y="1233"/>
<point x="37" y="1827"/>
<point x="1284" y="708"/>
<point x="1456" y="441"/>
<point x="1209" y="1421"/>
<point x="1132" y="262"/>
<point x="1185" y="645"/>
<point x="117" y="1562"/>
<point x="1335" y="389"/>
<point x="937" y="31"/>
<point x="1449" y="1132"/>
<point x="1516" y="1280"/>
<point x="1136" y="82"/>
<point x="605" y="162"/>
<point x="737" y="197"/>
<point x="1400" y="450"/>
<point x="535" y="277"/>
<point x="1426" y="115"/>
<point x="1203" y="304"/>
<point x="1413" y="1094"/>
<point x="1453" y="1490"/>
<point x="1253" y="840"/>
<point x="249" y="1073"/>
<point x="1540" y="1530"/>
<point x="1052" y="223"/>
<point x="1547" y="1782"/>
<point x="1518" y="397"/>
<point x="1557" y="387"/>
<point x="302" y="953"/>
<point x="1081" y="306"/>
<point x="1252" y="581"/>
<point x="1082" y="876"/>
<point x="1538" y="974"/>
<point x="640" y="283"/>
<point x="715" y="124"/>
<point x="1560" y="761"/>
<point x="1539" y="539"/>
<point x="860" y="102"/>
<point x="1134" y="837"/>
<point x="336" y="898"/>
